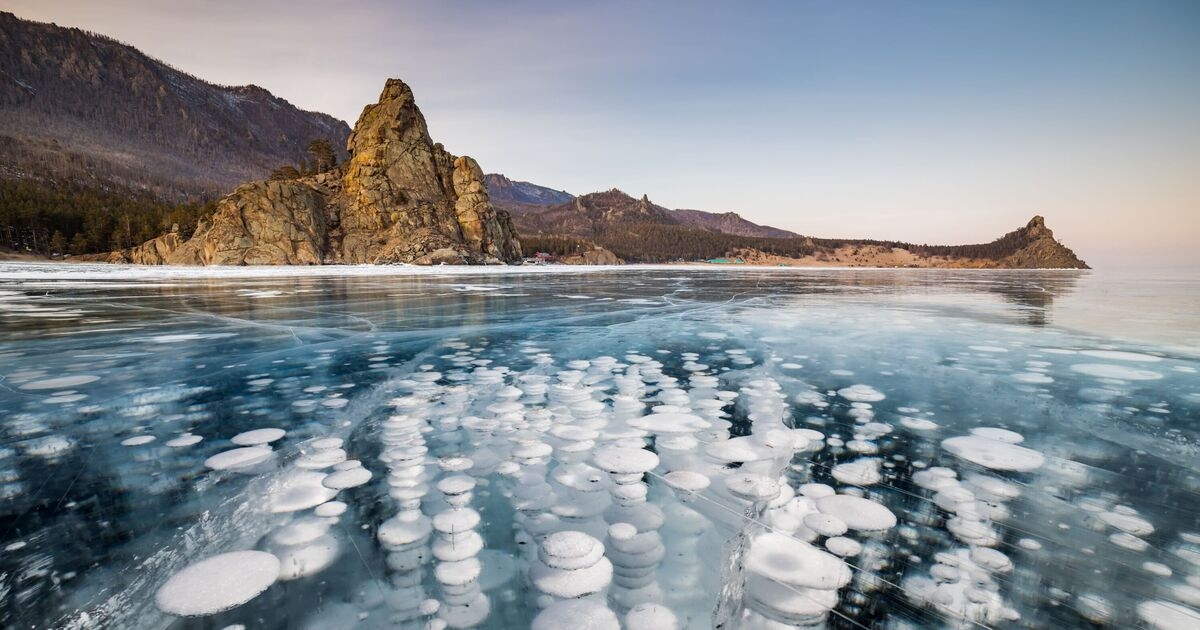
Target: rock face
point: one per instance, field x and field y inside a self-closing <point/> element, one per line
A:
<point x="595" y="256"/>
<point x="153" y="252"/>
<point x="1039" y="249"/>
<point x="400" y="198"/>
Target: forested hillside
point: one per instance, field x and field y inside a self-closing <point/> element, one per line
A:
<point x="108" y="146"/>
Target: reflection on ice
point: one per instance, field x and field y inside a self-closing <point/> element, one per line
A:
<point x="681" y="449"/>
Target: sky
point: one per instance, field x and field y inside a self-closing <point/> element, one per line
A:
<point x="930" y="122"/>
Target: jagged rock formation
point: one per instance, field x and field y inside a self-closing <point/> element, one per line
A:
<point x="592" y="214"/>
<point x="1040" y="250"/>
<point x="535" y="207"/>
<point x="80" y="107"/>
<point x="400" y="198"/>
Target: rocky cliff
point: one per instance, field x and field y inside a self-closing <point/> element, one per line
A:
<point x="399" y="198"/>
<point x="83" y="108"/>
<point x="1038" y="249"/>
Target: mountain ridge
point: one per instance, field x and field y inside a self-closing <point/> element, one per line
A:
<point x="525" y="199"/>
<point x="86" y="108"/>
<point x="636" y="230"/>
<point x="505" y="191"/>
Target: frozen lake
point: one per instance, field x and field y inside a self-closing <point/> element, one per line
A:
<point x="378" y="447"/>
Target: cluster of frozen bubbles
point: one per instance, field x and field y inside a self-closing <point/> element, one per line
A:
<point x="636" y="503"/>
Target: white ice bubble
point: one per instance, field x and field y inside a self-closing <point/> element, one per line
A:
<point x="816" y="490"/>
<point x="218" y="583"/>
<point x="861" y="393"/>
<point x="1118" y="372"/>
<point x="994" y="454"/>
<point x="919" y="424"/>
<point x="1095" y="608"/>
<point x="998" y="434"/>
<point x="580" y="614"/>
<point x="138" y="440"/>
<point x="330" y="509"/>
<point x="844" y="547"/>
<point x="49" y="446"/>
<point x="686" y="480"/>
<point x="857" y="513"/>
<point x="1128" y="523"/>
<point x="257" y="436"/>
<point x="1157" y="568"/>
<point x="299" y="490"/>
<point x="304" y="560"/>
<point x="860" y="472"/>
<point x="62" y="382"/>
<point x="300" y="531"/>
<point x="188" y="337"/>
<point x="327" y="443"/>
<point x="187" y="439"/>
<point x="650" y="616"/>
<point x="240" y="459"/>
<point x="825" y="524"/>
<point x="1164" y="615"/>
<point x="348" y="478"/>
<point x="625" y="460"/>
<point x="790" y="561"/>
<point x="1120" y="355"/>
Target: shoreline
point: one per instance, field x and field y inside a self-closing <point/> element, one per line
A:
<point x="63" y="270"/>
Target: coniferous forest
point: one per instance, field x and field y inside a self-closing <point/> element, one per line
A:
<point x="57" y="219"/>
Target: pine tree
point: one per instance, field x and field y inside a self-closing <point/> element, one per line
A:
<point x="324" y="157"/>
<point x="79" y="244"/>
<point x="58" y="244"/>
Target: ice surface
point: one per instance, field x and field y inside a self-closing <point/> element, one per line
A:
<point x="479" y="447"/>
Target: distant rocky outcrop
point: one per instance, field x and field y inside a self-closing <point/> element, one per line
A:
<point x="595" y="256"/>
<point x="399" y="198"/>
<point x="637" y="230"/>
<point x="589" y="214"/>
<point x="592" y="214"/>
<point x="1039" y="249"/>
<point x="728" y="223"/>
<point x="507" y="193"/>
<point x="83" y="108"/>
